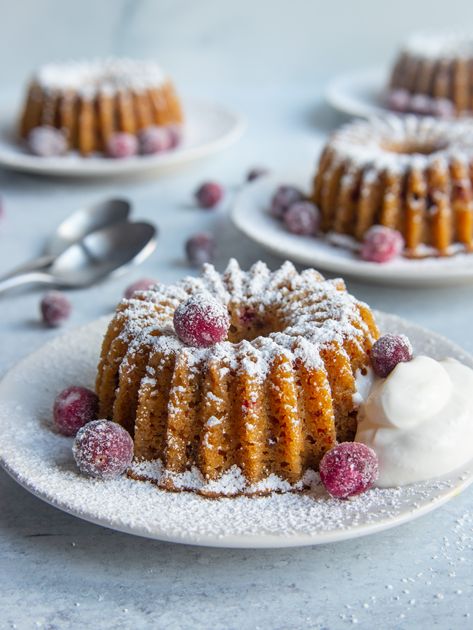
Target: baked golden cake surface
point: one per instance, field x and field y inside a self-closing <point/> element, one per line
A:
<point x="438" y="67"/>
<point x="259" y="409"/>
<point x="90" y="101"/>
<point x="408" y="173"/>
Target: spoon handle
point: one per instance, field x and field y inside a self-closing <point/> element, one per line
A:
<point x="32" y="277"/>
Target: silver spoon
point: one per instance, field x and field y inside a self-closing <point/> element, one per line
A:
<point x="107" y="251"/>
<point x="75" y="227"/>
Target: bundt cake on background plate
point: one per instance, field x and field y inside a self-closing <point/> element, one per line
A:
<point x="435" y="69"/>
<point x="408" y="173"/>
<point x="253" y="413"/>
<point x="91" y="100"/>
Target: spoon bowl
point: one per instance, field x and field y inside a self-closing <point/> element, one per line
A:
<point x="85" y="221"/>
<point x="108" y="251"/>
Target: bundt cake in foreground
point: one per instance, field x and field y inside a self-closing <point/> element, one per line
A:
<point x="90" y="101"/>
<point x="437" y="67"/>
<point x="408" y="173"/>
<point x="261" y="407"/>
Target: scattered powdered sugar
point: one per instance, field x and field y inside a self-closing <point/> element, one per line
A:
<point x="312" y="313"/>
<point x="41" y="460"/>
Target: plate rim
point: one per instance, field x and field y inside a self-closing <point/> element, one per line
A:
<point x="248" y="541"/>
<point x="371" y="272"/>
<point x="336" y="95"/>
<point x="103" y="167"/>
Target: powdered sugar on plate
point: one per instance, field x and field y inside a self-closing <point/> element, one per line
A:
<point x="41" y="460"/>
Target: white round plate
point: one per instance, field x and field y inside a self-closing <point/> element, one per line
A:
<point x="250" y="215"/>
<point x="209" y="128"/>
<point x="41" y="461"/>
<point x="359" y="93"/>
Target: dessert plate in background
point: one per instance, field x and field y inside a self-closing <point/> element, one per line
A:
<point x="41" y="461"/>
<point x="209" y="128"/>
<point x="250" y="215"/>
<point x="359" y="93"/>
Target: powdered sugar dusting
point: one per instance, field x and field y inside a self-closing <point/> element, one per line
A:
<point x="106" y="76"/>
<point x="369" y="144"/>
<point x="42" y="460"/>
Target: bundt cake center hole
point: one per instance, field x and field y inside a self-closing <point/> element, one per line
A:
<point x="413" y="147"/>
<point x="249" y="322"/>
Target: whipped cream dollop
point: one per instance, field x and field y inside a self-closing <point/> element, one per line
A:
<point x="419" y="420"/>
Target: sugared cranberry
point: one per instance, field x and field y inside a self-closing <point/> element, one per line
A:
<point x="443" y="108"/>
<point x="388" y="351"/>
<point x="256" y="173"/>
<point x="398" y="100"/>
<point x="103" y="449"/>
<point x="73" y="408"/>
<point x="381" y="244"/>
<point x="348" y="469"/>
<point x="154" y="140"/>
<point x="143" y="284"/>
<point x="283" y="198"/>
<point x="122" y="145"/>
<point x="175" y="135"/>
<point x="302" y="218"/>
<point x="200" y="249"/>
<point x="201" y="321"/>
<point x="209" y="195"/>
<point x="47" y="141"/>
<point x="421" y="104"/>
<point x="55" y="308"/>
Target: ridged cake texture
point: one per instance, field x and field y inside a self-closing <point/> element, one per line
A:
<point x="91" y="100"/>
<point x="408" y="173"/>
<point x="267" y="402"/>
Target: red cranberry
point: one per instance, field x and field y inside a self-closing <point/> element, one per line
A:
<point x="103" y="449"/>
<point x="348" y="469"/>
<point x="200" y="249"/>
<point x="143" y="284"/>
<point x="302" y="218"/>
<point x="175" y="135"/>
<point x="421" y="104"/>
<point x="154" y="140"/>
<point x="201" y="321"/>
<point x="443" y="108"/>
<point x="122" y="145"/>
<point x="209" y="195"/>
<point x="47" y="141"/>
<point x="55" y="308"/>
<point x="398" y="100"/>
<point x="256" y="173"/>
<point x="74" y="407"/>
<point x="283" y="198"/>
<point x="388" y="351"/>
<point x="381" y="244"/>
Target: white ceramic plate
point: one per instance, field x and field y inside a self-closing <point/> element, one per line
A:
<point x="41" y="461"/>
<point x="209" y="128"/>
<point x="359" y="93"/>
<point x="250" y="215"/>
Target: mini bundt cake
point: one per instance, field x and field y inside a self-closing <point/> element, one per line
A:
<point x="437" y="67"/>
<point x="408" y="173"/>
<point x="90" y="101"/>
<point x="262" y="406"/>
